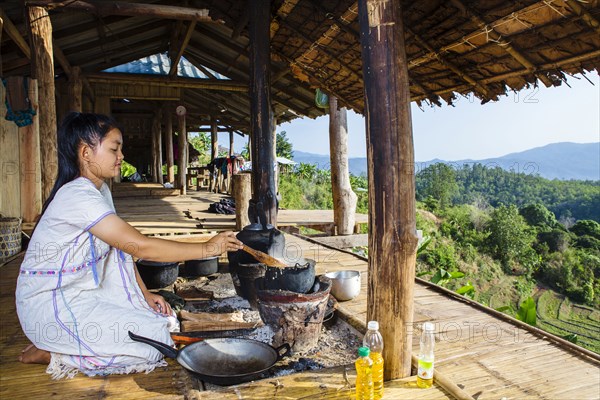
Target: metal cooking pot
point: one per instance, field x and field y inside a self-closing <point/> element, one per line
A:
<point x="298" y="277"/>
<point x="156" y="274"/>
<point x="225" y="361"/>
<point x="201" y="267"/>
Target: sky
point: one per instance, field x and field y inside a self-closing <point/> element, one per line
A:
<point x="531" y="118"/>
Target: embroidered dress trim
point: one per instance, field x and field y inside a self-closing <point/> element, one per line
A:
<point x="65" y="270"/>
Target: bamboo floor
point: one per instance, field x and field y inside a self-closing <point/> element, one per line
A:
<point x="488" y="355"/>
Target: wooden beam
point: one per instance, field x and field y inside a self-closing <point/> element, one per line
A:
<point x="128" y="9"/>
<point x="154" y="80"/>
<point x="29" y="149"/>
<point x="214" y="151"/>
<point x="451" y="66"/>
<point x="182" y="46"/>
<point x="13" y="33"/>
<point x="66" y="66"/>
<point x="157" y="146"/>
<point x="343" y="242"/>
<point x="75" y="90"/>
<point x="344" y="199"/>
<point x="584" y="14"/>
<point x="392" y="216"/>
<point x="263" y="176"/>
<point x="43" y="69"/>
<point x="182" y="158"/>
<point x="504" y="44"/>
<point x="168" y="113"/>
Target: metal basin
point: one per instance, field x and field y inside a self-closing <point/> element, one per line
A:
<point x="345" y="284"/>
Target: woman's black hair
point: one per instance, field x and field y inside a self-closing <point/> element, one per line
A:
<point x="77" y="129"/>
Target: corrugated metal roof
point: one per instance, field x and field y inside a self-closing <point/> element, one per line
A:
<point x="160" y="64"/>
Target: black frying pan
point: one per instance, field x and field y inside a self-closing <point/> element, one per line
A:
<point x="224" y="361"/>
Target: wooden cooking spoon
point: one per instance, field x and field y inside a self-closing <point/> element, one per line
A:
<point x="264" y="258"/>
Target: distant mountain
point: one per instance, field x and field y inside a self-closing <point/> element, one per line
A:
<point x="562" y="161"/>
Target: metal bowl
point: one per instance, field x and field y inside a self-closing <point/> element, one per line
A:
<point x="345" y="284"/>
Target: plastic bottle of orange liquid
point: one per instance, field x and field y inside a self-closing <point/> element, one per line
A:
<point x="374" y="341"/>
<point x="364" y="375"/>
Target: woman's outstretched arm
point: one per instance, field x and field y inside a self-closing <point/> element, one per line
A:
<point x="119" y="234"/>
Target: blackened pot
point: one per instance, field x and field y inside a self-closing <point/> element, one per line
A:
<point x="157" y="275"/>
<point x="201" y="267"/>
<point x="299" y="277"/>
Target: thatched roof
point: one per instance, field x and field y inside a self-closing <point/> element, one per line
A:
<point x="486" y="47"/>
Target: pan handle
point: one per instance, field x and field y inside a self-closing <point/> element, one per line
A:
<point x="165" y="349"/>
<point x="286" y="348"/>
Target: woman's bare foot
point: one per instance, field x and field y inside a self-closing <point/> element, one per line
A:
<point x="33" y="355"/>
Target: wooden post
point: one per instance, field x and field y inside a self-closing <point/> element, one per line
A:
<point x="169" y="145"/>
<point x="231" y="153"/>
<point x="242" y="194"/>
<point x="214" y="152"/>
<point x="43" y="70"/>
<point x="10" y="192"/>
<point x="153" y="151"/>
<point x="182" y="161"/>
<point x="263" y="179"/>
<point x="102" y="105"/>
<point x="390" y="156"/>
<point x="75" y="90"/>
<point x="157" y="148"/>
<point x="29" y="149"/>
<point x="344" y="199"/>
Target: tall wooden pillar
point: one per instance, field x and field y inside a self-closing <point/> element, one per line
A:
<point x="344" y="199"/>
<point x="169" y="144"/>
<point x="263" y="175"/>
<point x="231" y="143"/>
<point x="157" y="139"/>
<point x="29" y="149"/>
<point x="182" y="161"/>
<point x="390" y="156"/>
<point x="102" y="105"/>
<point x="214" y="151"/>
<point x="75" y="90"/>
<point x="43" y="70"/>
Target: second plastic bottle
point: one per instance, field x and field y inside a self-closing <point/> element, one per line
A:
<point x="364" y="375"/>
<point x="374" y="341"/>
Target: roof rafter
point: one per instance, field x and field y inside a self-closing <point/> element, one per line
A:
<point x="506" y="46"/>
<point x="453" y="67"/>
<point x="128" y="9"/>
<point x="14" y="34"/>
<point x="181" y="45"/>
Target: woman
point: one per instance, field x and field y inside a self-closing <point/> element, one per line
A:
<point x="78" y="291"/>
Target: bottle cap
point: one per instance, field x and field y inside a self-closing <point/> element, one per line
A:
<point x="428" y="327"/>
<point x="373" y="325"/>
<point x="363" y="351"/>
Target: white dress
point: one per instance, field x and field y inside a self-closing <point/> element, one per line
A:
<point x="77" y="297"/>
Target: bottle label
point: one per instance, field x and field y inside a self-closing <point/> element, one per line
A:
<point x="425" y="369"/>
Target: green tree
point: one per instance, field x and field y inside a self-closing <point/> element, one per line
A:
<point x="510" y="238"/>
<point x="586" y="227"/>
<point x="439" y="182"/>
<point x="246" y="152"/>
<point x="283" y="146"/>
<point x="538" y="215"/>
<point x="201" y="142"/>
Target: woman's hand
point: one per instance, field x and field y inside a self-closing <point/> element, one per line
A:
<point x="224" y="241"/>
<point x="158" y="303"/>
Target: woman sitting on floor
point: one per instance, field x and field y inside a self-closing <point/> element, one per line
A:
<point x="78" y="291"/>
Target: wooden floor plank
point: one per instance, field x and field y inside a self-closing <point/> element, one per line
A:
<point x="489" y="356"/>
